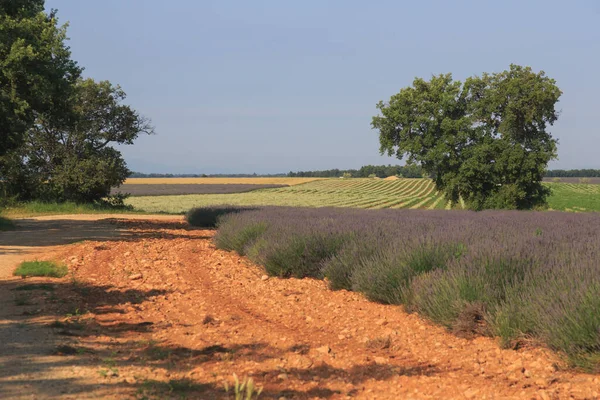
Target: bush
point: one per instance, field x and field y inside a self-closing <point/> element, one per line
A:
<point x="299" y="256"/>
<point x="239" y="240"/>
<point x="386" y="276"/>
<point x="511" y="274"/>
<point x="445" y="296"/>
<point x="41" y="268"/>
<point x="340" y="267"/>
<point x="116" y="201"/>
<point x="208" y="217"/>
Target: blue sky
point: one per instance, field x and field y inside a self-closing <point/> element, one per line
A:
<point x="273" y="86"/>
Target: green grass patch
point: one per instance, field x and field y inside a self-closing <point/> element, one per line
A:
<point x="34" y="208"/>
<point x="574" y="197"/>
<point x="41" y="268"/>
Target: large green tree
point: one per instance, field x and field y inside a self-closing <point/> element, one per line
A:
<point x="485" y="140"/>
<point x="71" y="158"/>
<point x="36" y="70"/>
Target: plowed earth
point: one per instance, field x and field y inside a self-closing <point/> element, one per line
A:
<point x="156" y="311"/>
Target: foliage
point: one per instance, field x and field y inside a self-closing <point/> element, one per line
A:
<point x="36" y="71"/>
<point x="41" y="268"/>
<point x="34" y="208"/>
<point x="506" y="273"/>
<point x="244" y="389"/>
<point x="576" y="173"/>
<point x="380" y="171"/>
<point x="484" y="141"/>
<point x="208" y="217"/>
<point x="71" y="160"/>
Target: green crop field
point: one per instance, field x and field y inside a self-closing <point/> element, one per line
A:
<point x="575" y="197"/>
<point x="358" y="193"/>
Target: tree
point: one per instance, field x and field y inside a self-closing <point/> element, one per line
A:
<point x="70" y="158"/>
<point x="485" y="140"/>
<point x="36" y="71"/>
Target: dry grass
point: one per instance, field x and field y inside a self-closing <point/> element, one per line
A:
<point x="221" y="181"/>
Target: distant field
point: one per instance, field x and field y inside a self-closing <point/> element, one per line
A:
<point x="575" y="197"/>
<point x="593" y="181"/>
<point x="357" y="193"/>
<point x="219" y="181"/>
<point x="137" y="189"/>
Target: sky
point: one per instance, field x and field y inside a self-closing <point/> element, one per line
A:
<point x="277" y="86"/>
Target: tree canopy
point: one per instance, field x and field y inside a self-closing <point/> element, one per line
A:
<point x="70" y="158"/>
<point x="56" y="129"/>
<point x="484" y="140"/>
<point x="36" y="70"/>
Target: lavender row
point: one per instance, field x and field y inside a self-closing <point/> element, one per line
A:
<point x="514" y="275"/>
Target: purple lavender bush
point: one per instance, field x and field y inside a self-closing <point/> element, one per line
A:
<point x="511" y="274"/>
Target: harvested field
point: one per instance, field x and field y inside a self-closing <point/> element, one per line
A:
<point x="138" y="189"/>
<point x="220" y="181"/>
<point x="358" y="193"/>
<point x="157" y="312"/>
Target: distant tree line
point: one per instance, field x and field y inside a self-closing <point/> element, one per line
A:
<point x="415" y="171"/>
<point x="366" y="171"/>
<point x="573" y="173"/>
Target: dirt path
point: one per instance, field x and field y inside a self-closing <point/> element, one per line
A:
<point x="152" y="310"/>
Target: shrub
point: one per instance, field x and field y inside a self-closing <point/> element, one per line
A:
<point x="386" y="275"/>
<point x="339" y="268"/>
<point x="208" y="217"/>
<point x="41" y="268"/>
<point x="511" y="274"/>
<point x="239" y="240"/>
<point x="299" y="256"/>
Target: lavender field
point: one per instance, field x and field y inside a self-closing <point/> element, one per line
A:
<point x="515" y="275"/>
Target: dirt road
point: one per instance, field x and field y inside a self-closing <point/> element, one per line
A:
<point x="151" y="309"/>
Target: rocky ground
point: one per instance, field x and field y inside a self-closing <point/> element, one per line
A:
<point x="151" y="309"/>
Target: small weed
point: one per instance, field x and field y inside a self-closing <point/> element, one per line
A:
<point x="538" y="232"/>
<point x="41" y="268"/>
<point x="75" y="313"/>
<point x="243" y="390"/>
